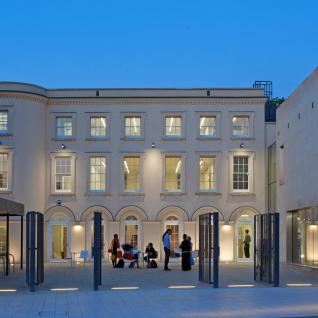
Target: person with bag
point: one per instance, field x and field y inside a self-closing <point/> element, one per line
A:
<point x="151" y="253"/>
<point x="115" y="245"/>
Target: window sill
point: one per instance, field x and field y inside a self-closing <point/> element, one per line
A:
<point x="173" y="193"/>
<point x="56" y="194"/>
<point x="201" y="138"/>
<point x="134" y="194"/>
<point x="242" y="193"/>
<point x="98" y="139"/>
<point x="208" y="193"/>
<point x="101" y="194"/>
<point x="242" y="138"/>
<point x="132" y="139"/>
<point x="6" y="134"/>
<point x="6" y="191"/>
<point x="173" y="138"/>
<point x="63" y="139"/>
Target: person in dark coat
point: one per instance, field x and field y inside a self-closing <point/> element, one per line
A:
<point x="186" y="254"/>
<point x="151" y="253"/>
<point x="115" y="245"/>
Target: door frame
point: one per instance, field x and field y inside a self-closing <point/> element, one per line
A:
<point x="51" y="223"/>
<point x="237" y="223"/>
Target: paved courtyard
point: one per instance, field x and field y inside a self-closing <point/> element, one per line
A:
<point x="155" y="293"/>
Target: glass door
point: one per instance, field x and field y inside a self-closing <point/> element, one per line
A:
<point x="245" y="239"/>
<point x="59" y="241"/>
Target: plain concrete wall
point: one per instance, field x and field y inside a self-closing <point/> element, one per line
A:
<point x="297" y="131"/>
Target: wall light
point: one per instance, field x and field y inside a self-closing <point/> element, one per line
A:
<point x="77" y="226"/>
<point x="226" y="225"/>
<point x="153" y="145"/>
<point x="63" y="146"/>
<point x="242" y="145"/>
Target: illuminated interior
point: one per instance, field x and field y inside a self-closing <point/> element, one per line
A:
<point x="131" y="174"/>
<point x="207" y="174"/>
<point x="303" y="236"/>
<point x="173" y="171"/>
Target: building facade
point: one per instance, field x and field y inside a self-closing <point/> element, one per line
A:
<point x="297" y="175"/>
<point x="148" y="159"/>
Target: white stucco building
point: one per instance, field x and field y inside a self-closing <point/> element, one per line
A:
<point x="297" y="174"/>
<point x="147" y="158"/>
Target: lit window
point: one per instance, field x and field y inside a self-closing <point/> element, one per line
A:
<point x="132" y="126"/>
<point x="207" y="174"/>
<point x="3" y="121"/>
<point x="4" y="166"/>
<point x="97" y="167"/>
<point x="131" y="174"/>
<point x="240" y="173"/>
<point x="173" y="126"/>
<point x="64" y="127"/>
<point x="3" y="239"/>
<point x="240" y="126"/>
<point x="207" y="126"/>
<point x="173" y="168"/>
<point x="98" y="126"/>
<point x="63" y="174"/>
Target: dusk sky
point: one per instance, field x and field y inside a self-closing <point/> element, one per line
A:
<point x="225" y="43"/>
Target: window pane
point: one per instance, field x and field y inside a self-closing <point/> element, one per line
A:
<point x="240" y="126"/>
<point x="173" y="173"/>
<point x="4" y="171"/>
<point x="131" y="173"/>
<point x="64" y="127"/>
<point x="207" y="126"/>
<point x="240" y="173"/>
<point x="3" y="121"/>
<point x="97" y="174"/>
<point x="207" y="174"/>
<point x="173" y="126"/>
<point x="63" y="174"/>
<point x="98" y="126"/>
<point x="132" y="126"/>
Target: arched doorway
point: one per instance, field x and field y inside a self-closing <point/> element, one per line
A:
<point x="132" y="231"/>
<point x="88" y="217"/>
<point x="131" y="218"/>
<point x="173" y="217"/>
<point x="173" y="223"/>
<point x="59" y="237"/>
<point x="243" y="219"/>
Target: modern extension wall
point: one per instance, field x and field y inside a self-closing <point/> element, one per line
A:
<point x="297" y="152"/>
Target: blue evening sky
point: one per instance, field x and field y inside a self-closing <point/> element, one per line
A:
<point x="174" y="43"/>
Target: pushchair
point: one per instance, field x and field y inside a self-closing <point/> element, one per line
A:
<point x="130" y="256"/>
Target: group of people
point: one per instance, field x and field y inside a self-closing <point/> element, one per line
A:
<point x="186" y="251"/>
<point x="150" y="253"/>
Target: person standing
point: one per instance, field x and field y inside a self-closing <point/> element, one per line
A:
<point x="166" y="246"/>
<point x="115" y="245"/>
<point x="186" y="254"/>
<point x="247" y="242"/>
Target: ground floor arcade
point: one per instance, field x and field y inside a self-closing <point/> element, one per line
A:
<point x="66" y="235"/>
